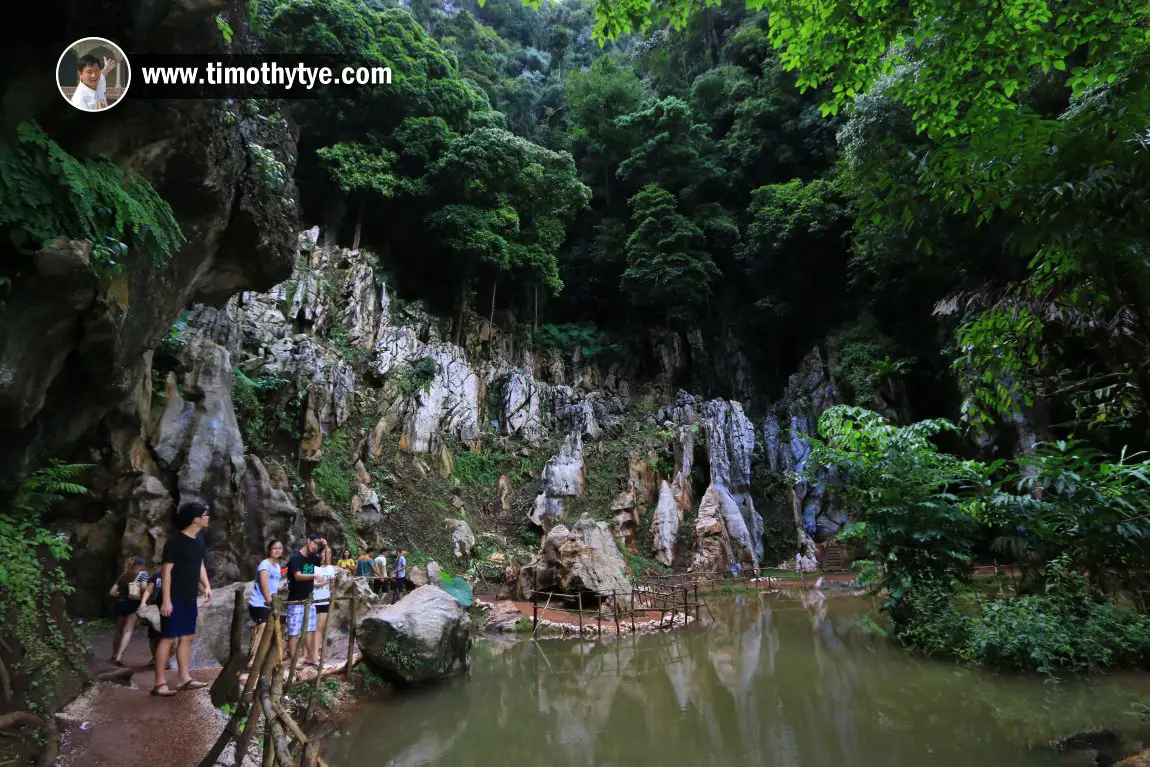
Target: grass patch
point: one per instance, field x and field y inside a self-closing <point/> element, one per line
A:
<point x="474" y="468"/>
<point x="334" y="474"/>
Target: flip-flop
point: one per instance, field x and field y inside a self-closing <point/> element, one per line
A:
<point x="156" y="691"/>
<point x="192" y="684"/>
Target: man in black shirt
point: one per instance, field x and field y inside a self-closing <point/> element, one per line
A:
<point x="182" y="577"/>
<point x="301" y="581"/>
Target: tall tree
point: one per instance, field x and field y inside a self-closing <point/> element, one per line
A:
<point x="667" y="266"/>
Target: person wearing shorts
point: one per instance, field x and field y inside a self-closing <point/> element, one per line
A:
<point x="321" y="597"/>
<point x="183" y="576"/>
<point x="302" y="579"/>
<point x="267" y="583"/>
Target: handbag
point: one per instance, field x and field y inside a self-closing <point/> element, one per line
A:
<point x="135" y="591"/>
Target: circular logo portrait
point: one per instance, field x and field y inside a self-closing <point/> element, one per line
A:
<point x="93" y="74"/>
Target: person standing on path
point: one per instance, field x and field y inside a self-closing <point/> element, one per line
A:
<point x="346" y="563"/>
<point x="321" y="598"/>
<point x="363" y="565"/>
<point x="129" y="591"/>
<point x="183" y="576"/>
<point x="400" y="576"/>
<point x="302" y="579"/>
<point x="264" y="590"/>
<point x="379" y="570"/>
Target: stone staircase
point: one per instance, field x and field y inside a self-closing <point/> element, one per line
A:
<point x="836" y="558"/>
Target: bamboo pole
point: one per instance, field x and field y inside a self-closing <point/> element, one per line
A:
<point x="318" y="671"/>
<point x="580" y="614"/>
<point x="351" y="637"/>
<point x="599" y="618"/>
<point x="269" y="752"/>
<point x="545" y="607"/>
<point x="615" y="609"/>
<point x="237" y="637"/>
<point x="288" y="722"/>
<point x="632" y="612"/>
<point x="301" y="641"/>
<point x="258" y="664"/>
<point x="248" y="732"/>
<point x="279" y="740"/>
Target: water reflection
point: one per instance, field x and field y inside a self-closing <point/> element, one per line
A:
<point x="773" y="681"/>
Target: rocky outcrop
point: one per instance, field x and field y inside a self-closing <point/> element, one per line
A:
<point x="665" y="526"/>
<point x="563" y="480"/>
<point x="730" y="443"/>
<point x="582" y="558"/>
<point x="72" y="347"/>
<point x="721" y="534"/>
<point x="424" y="637"/>
<point x="446" y="402"/>
<point x="809" y="392"/>
<point x="199" y="452"/>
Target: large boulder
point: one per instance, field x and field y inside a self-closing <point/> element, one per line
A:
<point x="212" y="645"/>
<point x="563" y="480"/>
<point x="665" y="525"/>
<point x="424" y="637"/>
<point x="581" y="559"/>
<point x="721" y="535"/>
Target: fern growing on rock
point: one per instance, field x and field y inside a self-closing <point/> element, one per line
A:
<point x="47" y="193"/>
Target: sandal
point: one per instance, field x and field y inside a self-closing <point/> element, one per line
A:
<point x="192" y="684"/>
<point x="168" y="691"/>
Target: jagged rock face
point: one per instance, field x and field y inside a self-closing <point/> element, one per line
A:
<point x="684" y="464"/>
<point x="362" y="312"/>
<point x="532" y="409"/>
<point x="72" y="349"/>
<point x="721" y="535"/>
<point x="198" y="444"/>
<point x="785" y="433"/>
<point x="424" y="637"/>
<point x="450" y="402"/>
<point x="730" y="442"/>
<point x="582" y="558"/>
<point x="625" y="518"/>
<point x="563" y="479"/>
<point x="665" y="526"/>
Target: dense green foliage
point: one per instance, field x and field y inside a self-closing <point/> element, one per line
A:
<point x="1078" y="523"/>
<point x="47" y="193"/>
<point x="30" y="575"/>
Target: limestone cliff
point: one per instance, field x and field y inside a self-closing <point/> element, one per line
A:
<point x="328" y="402"/>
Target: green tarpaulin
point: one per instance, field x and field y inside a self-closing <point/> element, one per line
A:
<point x="458" y="588"/>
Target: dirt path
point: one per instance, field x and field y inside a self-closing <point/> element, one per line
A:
<point x="112" y="725"/>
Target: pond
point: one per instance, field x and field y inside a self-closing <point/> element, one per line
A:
<point x="777" y="679"/>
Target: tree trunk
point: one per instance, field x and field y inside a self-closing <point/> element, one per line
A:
<point x="462" y="312"/>
<point x="491" y="319"/>
<point x="358" y="226"/>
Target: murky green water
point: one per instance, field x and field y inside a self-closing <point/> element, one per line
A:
<point x="776" y="681"/>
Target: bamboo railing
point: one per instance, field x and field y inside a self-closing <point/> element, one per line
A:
<point x="261" y="700"/>
<point x="685" y="599"/>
